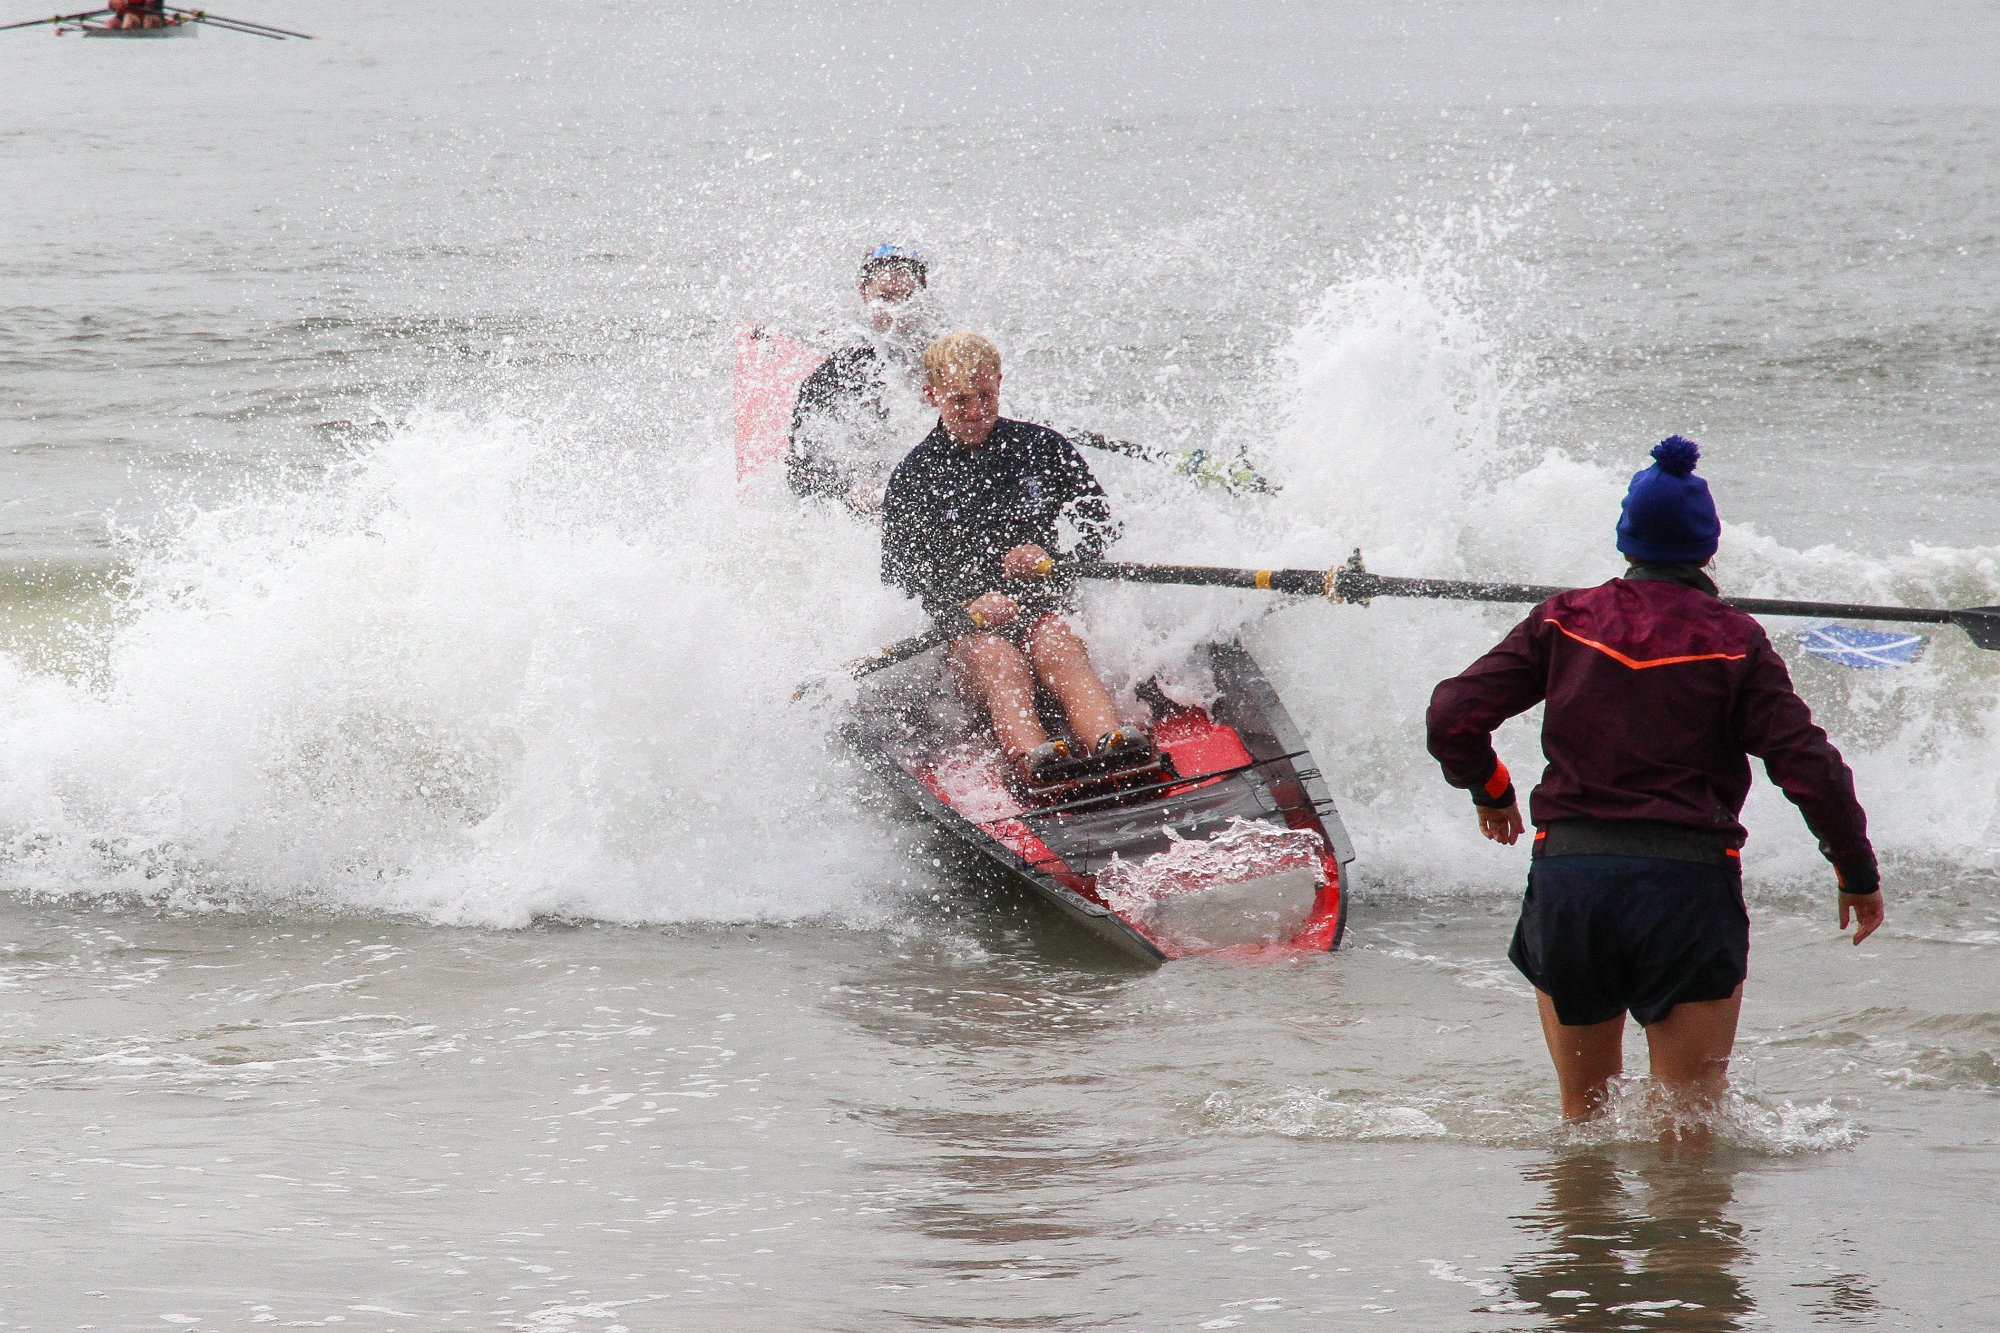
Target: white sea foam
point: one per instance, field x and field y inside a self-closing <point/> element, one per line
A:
<point x="453" y="678"/>
<point x="1405" y="436"/>
<point x="494" y="668"/>
<point x="1638" y="1113"/>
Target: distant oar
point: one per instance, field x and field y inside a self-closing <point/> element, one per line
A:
<point x="1351" y="583"/>
<point x="1196" y="464"/>
<point x="900" y="651"/>
<point x="59" y="18"/>
<point x="240" y="25"/>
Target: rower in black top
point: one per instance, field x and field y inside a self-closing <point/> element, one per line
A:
<point x="970" y="520"/>
<point x="844" y="425"/>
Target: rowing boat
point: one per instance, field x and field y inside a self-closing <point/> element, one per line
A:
<point x="174" y="22"/>
<point x="1233" y="845"/>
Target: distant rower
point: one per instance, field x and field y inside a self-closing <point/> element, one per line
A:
<point x="140" y="14"/>
<point x="844" y="438"/>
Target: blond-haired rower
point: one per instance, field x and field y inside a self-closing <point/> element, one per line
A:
<point x="971" y="523"/>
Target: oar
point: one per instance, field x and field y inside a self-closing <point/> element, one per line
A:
<point x="240" y="25"/>
<point x="1197" y="464"/>
<point x="900" y="651"/>
<point x="59" y="18"/>
<point x="1351" y="583"/>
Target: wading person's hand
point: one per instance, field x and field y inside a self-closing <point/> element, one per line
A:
<point x="1505" y="826"/>
<point x="1866" y="910"/>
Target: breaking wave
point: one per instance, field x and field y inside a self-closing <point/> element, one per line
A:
<point x="488" y="669"/>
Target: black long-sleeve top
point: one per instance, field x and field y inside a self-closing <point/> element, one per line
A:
<point x="843" y="395"/>
<point x="952" y="513"/>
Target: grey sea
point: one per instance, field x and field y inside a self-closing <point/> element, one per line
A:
<point x="423" y="907"/>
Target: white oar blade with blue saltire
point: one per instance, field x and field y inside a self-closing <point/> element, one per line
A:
<point x="1867" y="649"/>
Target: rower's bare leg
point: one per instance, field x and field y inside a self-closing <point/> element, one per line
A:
<point x="994" y="672"/>
<point x="1587" y="1057"/>
<point x="1690" y="1051"/>
<point x="1063" y="663"/>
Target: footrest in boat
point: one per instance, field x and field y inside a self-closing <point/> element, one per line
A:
<point x="1091" y="773"/>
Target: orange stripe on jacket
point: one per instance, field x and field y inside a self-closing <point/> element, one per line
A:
<point x="1635" y="663"/>
<point x="1499" y="782"/>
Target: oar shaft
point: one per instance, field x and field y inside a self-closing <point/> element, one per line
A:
<point x="1300" y="582"/>
<point x="1194" y="464"/>
<point x="1349" y="584"/>
<point x="229" y="25"/>
<point x="240" y="25"/>
<point x="57" y="18"/>
<point x="900" y="651"/>
<point x="1091" y="439"/>
<point x="1766" y="606"/>
<point x="1356" y="585"/>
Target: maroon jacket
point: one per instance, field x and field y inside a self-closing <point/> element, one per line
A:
<point x="1658" y="693"/>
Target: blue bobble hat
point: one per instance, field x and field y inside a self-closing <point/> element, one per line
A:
<point x="905" y="256"/>
<point x="1668" y="516"/>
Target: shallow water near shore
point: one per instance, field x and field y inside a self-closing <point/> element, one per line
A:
<point x="422" y="907"/>
<point x="964" y="1121"/>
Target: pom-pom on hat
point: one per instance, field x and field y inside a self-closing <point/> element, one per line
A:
<point x="1668" y="516"/>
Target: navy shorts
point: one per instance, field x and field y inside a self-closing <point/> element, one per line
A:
<point x="1606" y="935"/>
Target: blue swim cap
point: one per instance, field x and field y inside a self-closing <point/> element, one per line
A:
<point x="892" y="255"/>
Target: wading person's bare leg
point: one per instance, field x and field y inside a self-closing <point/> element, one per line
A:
<point x="993" y="671"/>
<point x="1690" y="1051"/>
<point x="1587" y="1058"/>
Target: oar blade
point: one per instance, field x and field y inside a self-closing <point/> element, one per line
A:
<point x="1863" y="649"/>
<point x="1198" y="465"/>
<point x="1981" y="624"/>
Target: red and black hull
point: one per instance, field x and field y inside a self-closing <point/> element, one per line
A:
<point x="1236" y="764"/>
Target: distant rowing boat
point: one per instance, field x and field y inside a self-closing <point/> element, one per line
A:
<point x="180" y="28"/>
<point x="169" y="22"/>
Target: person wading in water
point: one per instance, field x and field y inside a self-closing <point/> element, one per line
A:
<point x="1657" y="694"/>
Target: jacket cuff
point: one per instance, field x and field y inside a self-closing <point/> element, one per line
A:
<point x="1861" y="877"/>
<point x="1497" y="792"/>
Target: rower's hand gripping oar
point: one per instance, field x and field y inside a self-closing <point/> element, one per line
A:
<point x="1351" y="583"/>
<point x="904" y="649"/>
